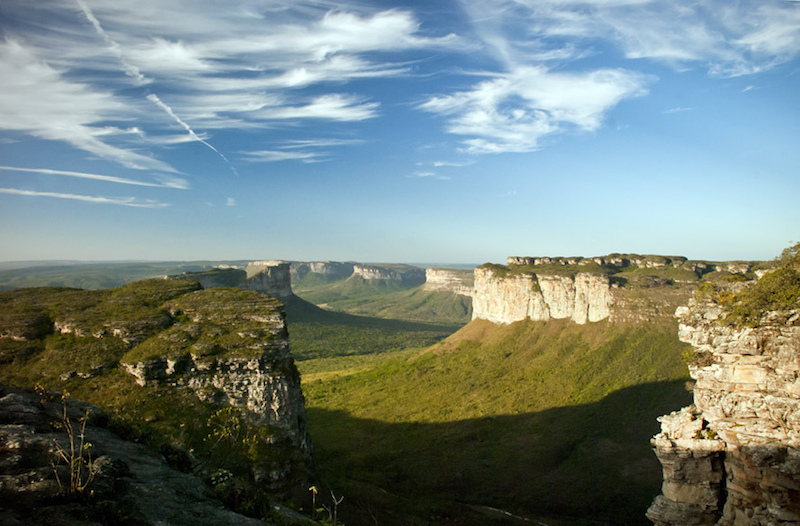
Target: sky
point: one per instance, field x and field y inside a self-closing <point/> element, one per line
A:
<point x="408" y="131"/>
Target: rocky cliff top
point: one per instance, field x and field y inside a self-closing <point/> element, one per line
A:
<point x="192" y="352"/>
<point x="733" y="457"/>
<point x="617" y="261"/>
<point x="125" y="482"/>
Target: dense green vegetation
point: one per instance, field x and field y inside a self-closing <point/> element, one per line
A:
<point x="777" y="291"/>
<point x="317" y="333"/>
<point x="137" y="321"/>
<point x="539" y="419"/>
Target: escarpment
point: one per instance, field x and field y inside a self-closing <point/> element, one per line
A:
<point x="223" y="347"/>
<point x="270" y="277"/>
<point x="733" y="457"/>
<point x="503" y="297"/>
<point x="460" y="282"/>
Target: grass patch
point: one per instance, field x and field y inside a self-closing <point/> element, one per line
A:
<point x="540" y="419"/>
<point x="319" y="333"/>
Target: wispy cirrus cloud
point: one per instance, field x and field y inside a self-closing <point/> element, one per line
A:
<point x="224" y="67"/>
<point x="304" y="150"/>
<point x="165" y="183"/>
<point x="540" y="87"/>
<point x="270" y="156"/>
<point x="39" y="100"/>
<point x="119" y="201"/>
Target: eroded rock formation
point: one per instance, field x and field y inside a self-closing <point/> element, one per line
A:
<point x="448" y="280"/>
<point x="503" y="297"/>
<point x="127" y="483"/>
<point x="272" y="277"/>
<point x="330" y="269"/>
<point x="733" y="458"/>
<point x="231" y="348"/>
<point x="405" y="274"/>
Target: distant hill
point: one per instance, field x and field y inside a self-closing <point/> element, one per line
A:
<point x="94" y="275"/>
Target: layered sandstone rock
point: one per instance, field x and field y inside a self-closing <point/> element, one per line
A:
<point x="329" y="269"/>
<point x="508" y="297"/>
<point x="448" y="280"/>
<point x="733" y="458"/>
<point x="272" y="277"/>
<point x="129" y="484"/>
<point x="402" y="273"/>
<point x="231" y="348"/>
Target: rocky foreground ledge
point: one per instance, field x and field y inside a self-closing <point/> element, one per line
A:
<point x="130" y="483"/>
<point x="733" y="457"/>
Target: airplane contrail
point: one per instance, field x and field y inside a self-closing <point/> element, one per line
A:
<point x="134" y="72"/>
<point x="158" y="102"/>
<point x="130" y="69"/>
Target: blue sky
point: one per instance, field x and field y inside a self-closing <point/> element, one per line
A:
<point x="448" y="131"/>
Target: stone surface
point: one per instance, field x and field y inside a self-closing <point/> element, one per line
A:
<point x="131" y="484"/>
<point x="448" y="280"/>
<point x="245" y="364"/>
<point x="405" y="274"/>
<point x="272" y="277"/>
<point x="744" y="426"/>
<point x="332" y="269"/>
<point x="506" y="298"/>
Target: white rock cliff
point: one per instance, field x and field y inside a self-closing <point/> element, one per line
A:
<point x="503" y="297"/>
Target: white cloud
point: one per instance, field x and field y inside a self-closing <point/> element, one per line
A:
<point x="230" y="201"/>
<point x="119" y="201"/>
<point x="429" y="175"/>
<point x="512" y="112"/>
<point x="727" y="38"/>
<point x="268" y="156"/>
<point x="38" y="100"/>
<point x="330" y="107"/>
<point x="234" y="66"/>
<point x="168" y="183"/>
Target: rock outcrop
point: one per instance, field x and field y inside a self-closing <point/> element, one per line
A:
<point x="506" y="297"/>
<point x="404" y="274"/>
<point x="330" y="269"/>
<point x="620" y="261"/>
<point x="733" y="458"/>
<point x="129" y="484"/>
<point x="232" y="349"/>
<point x="448" y="280"/>
<point x="228" y="347"/>
<point x="270" y="277"/>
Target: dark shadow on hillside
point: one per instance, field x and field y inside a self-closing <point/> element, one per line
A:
<point x="317" y="332"/>
<point x="587" y="464"/>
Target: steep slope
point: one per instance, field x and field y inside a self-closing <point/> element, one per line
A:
<point x="173" y="365"/>
<point x="544" y="420"/>
<point x="733" y="457"/>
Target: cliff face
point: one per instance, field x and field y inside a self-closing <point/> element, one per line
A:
<point x="404" y="274"/>
<point x="621" y="261"/>
<point x="228" y="347"/>
<point x="513" y="297"/>
<point x="332" y="269"/>
<point x="734" y="456"/>
<point x="231" y="348"/>
<point x="447" y="280"/>
<point x="272" y="277"/>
